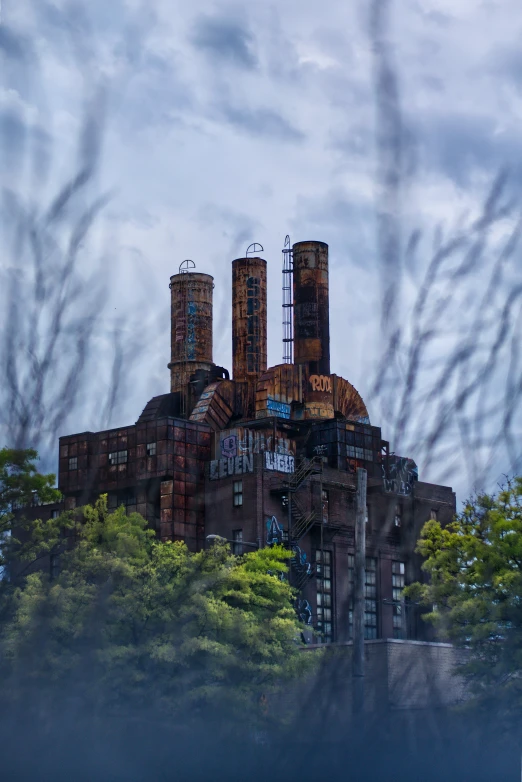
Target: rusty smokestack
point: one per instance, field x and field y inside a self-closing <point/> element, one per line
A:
<point x="249" y="315"/>
<point x="311" y="307"/>
<point x="191" y="326"/>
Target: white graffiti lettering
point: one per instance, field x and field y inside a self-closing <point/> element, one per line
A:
<point x="225" y="468"/>
<point x="279" y="462"/>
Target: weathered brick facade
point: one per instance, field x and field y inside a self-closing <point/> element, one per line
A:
<point x="269" y="456"/>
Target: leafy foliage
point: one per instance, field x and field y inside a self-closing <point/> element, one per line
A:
<point x="475" y="591"/>
<point x="22" y="485"/>
<point x="130" y="623"/>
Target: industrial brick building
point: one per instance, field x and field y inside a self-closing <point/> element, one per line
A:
<point x="269" y="454"/>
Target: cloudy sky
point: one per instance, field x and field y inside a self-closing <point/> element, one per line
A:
<point x="231" y="123"/>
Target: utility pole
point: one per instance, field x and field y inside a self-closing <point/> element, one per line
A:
<point x="358" y="598"/>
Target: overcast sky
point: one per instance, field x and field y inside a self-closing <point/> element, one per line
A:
<point x="232" y="123"/>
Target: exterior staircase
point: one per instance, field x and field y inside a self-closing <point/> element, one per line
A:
<point x="300" y="520"/>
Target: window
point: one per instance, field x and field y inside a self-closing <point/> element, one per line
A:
<point x="237" y="537"/>
<point x="323" y="569"/>
<point x="398" y="604"/>
<point x="367" y="514"/>
<point x="433" y="515"/>
<point x="125" y="497"/>
<point x="398" y="516"/>
<point x="325" y="501"/>
<point x="151" y="449"/>
<point x="117" y="457"/>
<point x="55" y="514"/>
<point x="238" y="494"/>
<point x="73" y="463"/>
<point x="370" y="596"/>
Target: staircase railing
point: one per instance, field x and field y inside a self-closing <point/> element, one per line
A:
<point x="305" y="468"/>
<point x="301" y="520"/>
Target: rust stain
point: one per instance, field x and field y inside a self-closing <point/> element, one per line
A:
<point x="216" y="405"/>
<point x="311" y="306"/>
<point x="249" y="318"/>
<point x="348" y="401"/>
<point x="191" y="326"/>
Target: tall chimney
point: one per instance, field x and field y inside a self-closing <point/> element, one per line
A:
<point x="191" y="326"/>
<point x="249" y="313"/>
<point x="311" y="307"/>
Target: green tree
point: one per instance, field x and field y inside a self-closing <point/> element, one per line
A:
<point x="20" y="485"/>
<point x="475" y="593"/>
<point x="130" y="623"/>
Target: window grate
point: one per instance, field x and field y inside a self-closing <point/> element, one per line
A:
<point x="323" y="569"/>
<point x="398" y="572"/>
<point x="370" y="596"/>
<point x="238" y="494"/>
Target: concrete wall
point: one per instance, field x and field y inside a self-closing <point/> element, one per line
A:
<point x="399" y="675"/>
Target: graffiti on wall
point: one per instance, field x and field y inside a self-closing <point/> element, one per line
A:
<point x="225" y="468"/>
<point x="402" y="475"/>
<point x="279" y="462"/>
<point x="282" y="409"/>
<point x="304" y="611"/>
<point x="251" y="441"/>
<point x="300" y="563"/>
<point x="320" y="450"/>
<point x="321" y="383"/>
<point x="229" y="446"/>
<point x="274" y="532"/>
<point x="191" y="327"/>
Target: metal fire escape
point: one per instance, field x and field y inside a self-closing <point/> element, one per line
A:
<point x="288" y="303"/>
<point x="300" y="521"/>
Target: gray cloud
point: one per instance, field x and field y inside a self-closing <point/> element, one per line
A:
<point x="15" y="46"/>
<point x="225" y="39"/>
<point x="13" y="136"/>
<point x="459" y="145"/>
<point x="157" y="95"/>
<point x="276" y="80"/>
<point x="437" y="18"/>
<point x="261" y="122"/>
<point x="239" y="228"/>
<point x="507" y="62"/>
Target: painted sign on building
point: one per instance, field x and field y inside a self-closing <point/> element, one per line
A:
<point x="225" y="468"/>
<point x="282" y="409"/>
<point x="279" y="462"/>
<point x="402" y="476"/>
<point x="229" y="446"/>
<point x="274" y="532"/>
<point x="251" y="441"/>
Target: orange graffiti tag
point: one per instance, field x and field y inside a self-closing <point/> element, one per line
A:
<point x="321" y="383"/>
